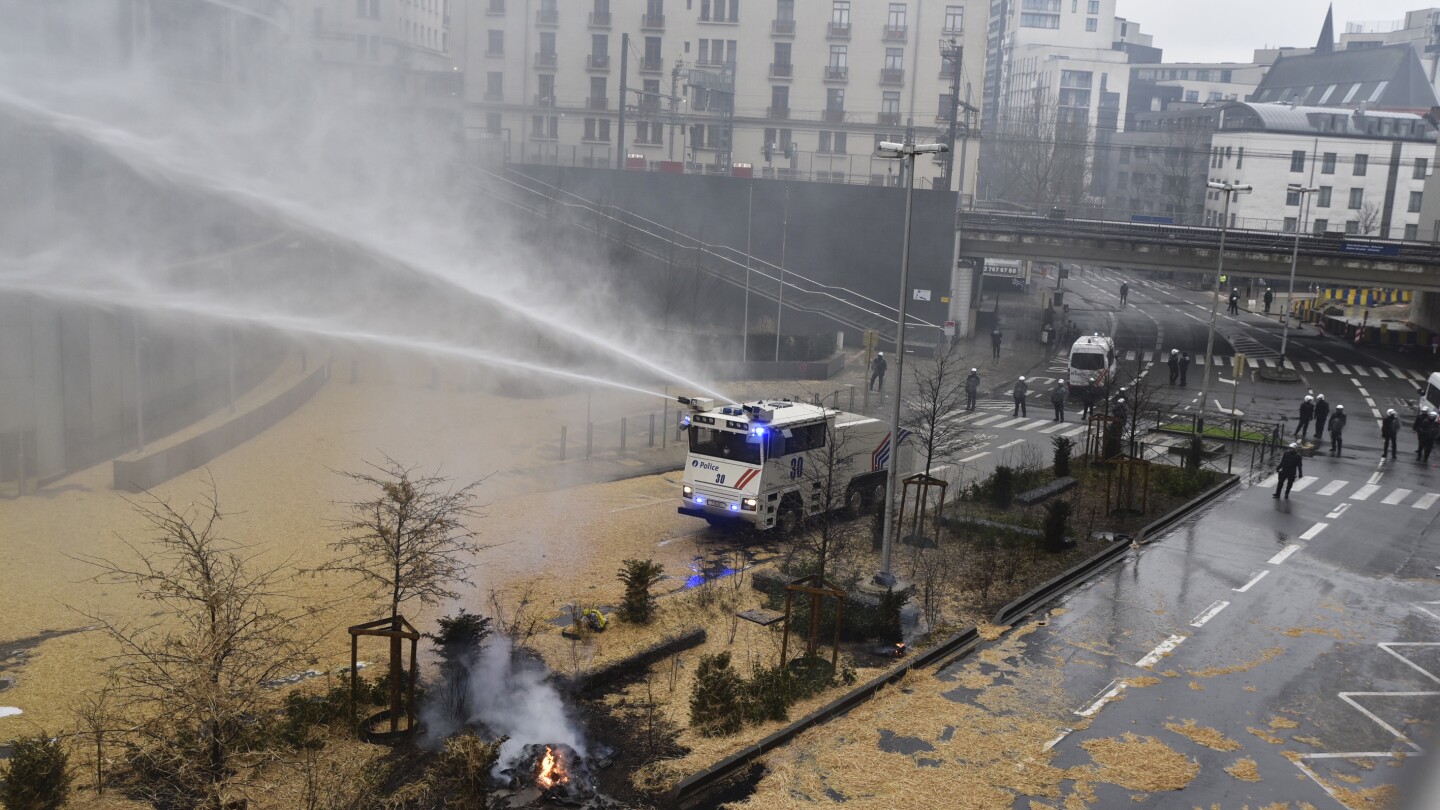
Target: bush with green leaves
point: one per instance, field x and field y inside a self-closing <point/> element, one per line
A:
<point x="1063" y="447"/>
<point x="639" y="576"/>
<point x="37" y="777"/>
<point x="889" y="629"/>
<point x="1057" y="516"/>
<point x="1002" y="487"/>
<point x="716" y="708"/>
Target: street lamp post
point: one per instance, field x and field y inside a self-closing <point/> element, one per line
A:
<point x="1229" y="189"/>
<point x="1294" y="259"/>
<point x="903" y="151"/>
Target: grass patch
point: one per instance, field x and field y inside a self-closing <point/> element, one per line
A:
<point x="1215" y="432"/>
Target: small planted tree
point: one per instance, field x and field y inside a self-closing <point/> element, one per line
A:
<point x="889" y="628"/>
<point x="639" y="576"/>
<point x="1063" y="448"/>
<point x="1002" y="487"/>
<point x="458" y="637"/>
<point x="1057" y="518"/>
<point x="715" y="702"/>
<point x="37" y="777"/>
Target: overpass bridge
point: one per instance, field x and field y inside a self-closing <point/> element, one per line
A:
<point x="1336" y="259"/>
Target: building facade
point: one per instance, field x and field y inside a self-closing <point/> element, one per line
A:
<point x="796" y="89"/>
<point x="1368" y="168"/>
<point x="1420" y="29"/>
<point x="1158" y="165"/>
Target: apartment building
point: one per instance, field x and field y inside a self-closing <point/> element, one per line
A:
<point x="412" y="34"/>
<point x="1369" y="168"/>
<point x="1419" y="29"/>
<point x="799" y="89"/>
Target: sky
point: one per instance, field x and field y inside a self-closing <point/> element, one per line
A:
<point x="1229" y="30"/>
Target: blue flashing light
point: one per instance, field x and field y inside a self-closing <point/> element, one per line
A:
<point x="699" y="499"/>
<point x="759" y="431"/>
<point x="685" y="421"/>
<point x="734" y="507"/>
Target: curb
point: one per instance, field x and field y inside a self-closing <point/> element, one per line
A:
<point x="698" y="783"/>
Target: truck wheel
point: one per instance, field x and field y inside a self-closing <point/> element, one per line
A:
<point x="855" y="501"/>
<point x="877" y="497"/>
<point x="788" y="520"/>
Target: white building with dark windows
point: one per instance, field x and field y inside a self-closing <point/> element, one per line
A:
<point x="800" y="89"/>
<point x="1369" y="169"/>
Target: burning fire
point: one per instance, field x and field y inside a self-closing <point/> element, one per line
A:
<point x="552" y="771"/>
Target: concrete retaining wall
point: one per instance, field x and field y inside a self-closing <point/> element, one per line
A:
<point x="761" y="370"/>
<point x="160" y="465"/>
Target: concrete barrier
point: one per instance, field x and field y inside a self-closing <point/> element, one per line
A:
<point x="160" y="465"/>
<point x="784" y="370"/>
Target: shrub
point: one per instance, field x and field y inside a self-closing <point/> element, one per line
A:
<point x="889" y="629"/>
<point x="1063" y="446"/>
<point x="1002" y="487"/>
<point x="715" y="701"/>
<point x="1057" y="515"/>
<point x="462" y="771"/>
<point x="639" y="576"/>
<point x="37" y="776"/>
<point x="1194" y="454"/>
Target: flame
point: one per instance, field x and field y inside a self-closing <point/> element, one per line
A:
<point x="552" y="772"/>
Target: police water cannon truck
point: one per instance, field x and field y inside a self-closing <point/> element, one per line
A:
<point x="765" y="464"/>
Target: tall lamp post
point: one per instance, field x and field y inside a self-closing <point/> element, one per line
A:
<point x="1304" y="194"/>
<point x="1230" y="190"/>
<point x="907" y="152"/>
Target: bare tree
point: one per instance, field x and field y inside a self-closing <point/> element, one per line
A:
<point x="826" y="476"/>
<point x="1042" y="158"/>
<point x="410" y="541"/>
<point x="193" y="673"/>
<point x="1367" y="219"/>
<point x="1181" y="165"/>
<point x="939" y="394"/>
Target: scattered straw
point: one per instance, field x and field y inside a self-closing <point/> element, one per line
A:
<point x="1297" y="632"/>
<point x="1141" y="682"/>
<point x="1265" y="735"/>
<point x="1376" y="798"/>
<point x="1313" y="742"/>
<point x="1141" y="763"/>
<point x="990" y="632"/>
<point x="1197" y="686"/>
<point x="1277" y="723"/>
<point x="1208" y="737"/>
<point x="1245" y="770"/>
<point x="1265" y="655"/>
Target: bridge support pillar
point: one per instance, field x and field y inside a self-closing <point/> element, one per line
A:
<point x="962" y="298"/>
<point x="1425" y="311"/>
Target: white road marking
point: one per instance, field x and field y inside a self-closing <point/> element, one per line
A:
<point x="1364" y="493"/>
<point x="1064" y="732"/>
<point x="1011" y="444"/>
<point x="1154" y="656"/>
<point x="1333" y="487"/>
<point x="1304" y="483"/>
<point x="990" y="419"/>
<point x="968" y="459"/>
<point x="1035" y="424"/>
<point x="1304" y="366"/>
<point x="1055" y="427"/>
<point x="1313" y="531"/>
<point x="1247" y="586"/>
<point x="1268" y="362"/>
<point x="1425" y="501"/>
<point x="1075" y="432"/>
<point x="1375" y="478"/>
<point x="1342" y="369"/>
<point x="1108" y="694"/>
<point x="1252" y="362"/>
<point x="1396" y="497"/>
<point x="1271" y="481"/>
<point x="1361" y="372"/>
<point x="1378" y="372"/>
<point x="1284" y="554"/>
<point x="1339" y="510"/>
<point x="1013" y="422"/>
<point x="1209" y="613"/>
<point x="1324" y="368"/>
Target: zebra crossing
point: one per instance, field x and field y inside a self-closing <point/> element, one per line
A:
<point x="980" y="418"/>
<point x="1359" y="491"/>
<point x="1255" y="362"/>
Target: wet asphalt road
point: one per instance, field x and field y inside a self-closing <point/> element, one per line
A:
<point x="1322" y="610"/>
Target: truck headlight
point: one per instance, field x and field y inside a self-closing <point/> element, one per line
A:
<point x="749" y="504"/>
<point x="687" y="490"/>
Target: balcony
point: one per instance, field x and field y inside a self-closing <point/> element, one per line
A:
<point x="652" y="64"/>
<point x="897" y="33"/>
<point x="837" y="73"/>
<point x="779" y="70"/>
<point x="953" y="31"/>
<point x="838" y="30"/>
<point x="778" y="113"/>
<point x="649" y="106"/>
<point x="888" y="119"/>
<point x="833" y="116"/>
<point x="596" y="61"/>
<point x="600" y="19"/>
<point x="545" y="60"/>
<point x="652" y="22"/>
<point x="782" y="28"/>
<point x="550" y="17"/>
<point x="892" y="76"/>
<point x="544" y="101"/>
<point x="597" y="103"/>
<point x="495" y="53"/>
<point x="494" y="95"/>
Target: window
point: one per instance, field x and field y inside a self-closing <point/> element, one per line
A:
<point x="492" y="123"/>
<point x="496" y="45"/>
<point x="1414" y="202"/>
<point x="840" y="14"/>
<point x="1297" y="160"/>
<point x="838" y="54"/>
<point x="1322" y="225"/>
<point x="730" y="51"/>
<point x="1327" y="163"/>
<point x="600" y="48"/>
<point x="1092" y="24"/>
<point x="840" y="143"/>
<point x="835" y="99"/>
<point x="1292" y="198"/>
<point x="894" y="58"/>
<point x="1352" y="227"/>
<point x="1039" y="20"/>
<point x="780" y="98"/>
<point x="1412" y="233"/>
<point x="782" y="56"/>
<point x="890" y="105"/>
<point x="954" y="19"/>
<point x="1239" y="157"/>
<point x="1362" y="163"/>
<point x="547" y="44"/>
<point x="1092" y="7"/>
<point x="824" y="145"/>
<point x="494" y="85"/>
<point x="705" y="9"/>
<point x="1290" y="224"/>
<point x="597" y="90"/>
<point x="1322" y="200"/>
<point x="1192" y="96"/>
<point x="703" y="55"/>
<point x="547" y="90"/>
<point x="652" y="53"/>
<point x="1422" y="168"/>
<point x="731" y="446"/>
<point x="896" y="20"/>
<point x="785" y="10"/>
<point x="1357" y="198"/>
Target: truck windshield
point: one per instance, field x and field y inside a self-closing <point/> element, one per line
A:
<point x="723" y="444"/>
<point x="1087" y="361"/>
